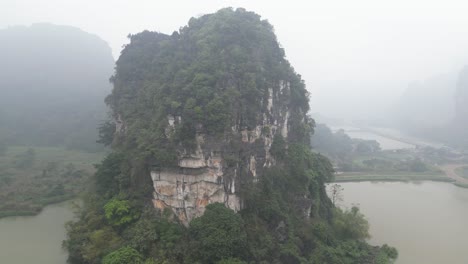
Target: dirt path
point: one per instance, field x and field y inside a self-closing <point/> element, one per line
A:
<point x="449" y="170"/>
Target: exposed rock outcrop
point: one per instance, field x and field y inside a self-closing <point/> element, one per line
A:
<point x="203" y="176"/>
<point x="204" y="106"/>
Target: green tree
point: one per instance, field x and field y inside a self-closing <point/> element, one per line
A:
<point x="106" y="133"/>
<point x="218" y="234"/>
<point x="125" y="255"/>
<point x="107" y="177"/>
<point x="351" y="224"/>
<point x="231" y="261"/>
<point x="119" y="212"/>
<point x="99" y="243"/>
<point x="278" y="147"/>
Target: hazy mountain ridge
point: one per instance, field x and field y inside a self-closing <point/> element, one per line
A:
<point x="430" y="102"/>
<point x="53" y="81"/>
<point x="436" y="109"/>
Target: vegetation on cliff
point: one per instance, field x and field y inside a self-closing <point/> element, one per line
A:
<point x="213" y="78"/>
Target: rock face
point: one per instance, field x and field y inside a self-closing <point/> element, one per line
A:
<point x="206" y="106"/>
<point x="203" y="177"/>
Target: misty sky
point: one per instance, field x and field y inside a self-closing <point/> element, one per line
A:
<point x="356" y="56"/>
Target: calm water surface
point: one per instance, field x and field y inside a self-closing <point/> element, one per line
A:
<point x="35" y="239"/>
<point x="385" y="142"/>
<point x="427" y="222"/>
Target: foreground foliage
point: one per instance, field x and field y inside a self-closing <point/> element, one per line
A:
<point x="271" y="229"/>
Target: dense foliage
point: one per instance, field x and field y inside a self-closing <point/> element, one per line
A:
<point x="212" y="74"/>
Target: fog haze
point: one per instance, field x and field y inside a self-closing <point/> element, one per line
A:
<point x="358" y="55"/>
<point x="221" y="131"/>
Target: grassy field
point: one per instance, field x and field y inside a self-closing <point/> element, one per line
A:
<point x="31" y="178"/>
<point x="392" y="176"/>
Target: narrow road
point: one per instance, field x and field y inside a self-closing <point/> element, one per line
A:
<point x="449" y="170"/>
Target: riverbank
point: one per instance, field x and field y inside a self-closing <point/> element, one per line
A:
<point x="403" y="177"/>
<point x="41" y="205"/>
<point x="36" y="239"/>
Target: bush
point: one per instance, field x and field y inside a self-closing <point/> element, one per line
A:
<point x="119" y="213"/>
<point x="351" y="224"/>
<point x="125" y="255"/>
<point x="218" y="234"/>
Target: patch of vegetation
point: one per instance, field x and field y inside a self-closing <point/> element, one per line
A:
<point x="362" y="160"/>
<point x="272" y="228"/>
<point x="31" y="178"/>
<point x="338" y="146"/>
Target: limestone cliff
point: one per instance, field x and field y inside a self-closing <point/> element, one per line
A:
<point x="214" y="114"/>
<point x="205" y="105"/>
<point x="203" y="176"/>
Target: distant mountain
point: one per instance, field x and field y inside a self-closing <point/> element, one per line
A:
<point x="436" y="109"/>
<point x="53" y="81"/>
<point x="461" y="98"/>
<point x="427" y="103"/>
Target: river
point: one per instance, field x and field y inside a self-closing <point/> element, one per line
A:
<point x="35" y="239"/>
<point x="425" y="221"/>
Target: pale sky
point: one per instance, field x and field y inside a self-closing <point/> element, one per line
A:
<point x="356" y="56"/>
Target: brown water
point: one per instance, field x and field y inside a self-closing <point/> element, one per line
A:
<point x="35" y="239"/>
<point x="427" y="222"/>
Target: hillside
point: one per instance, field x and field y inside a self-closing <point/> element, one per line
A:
<point x="53" y="80"/>
<point x="211" y="160"/>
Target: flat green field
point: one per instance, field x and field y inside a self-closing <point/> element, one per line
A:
<point x="31" y="178"/>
